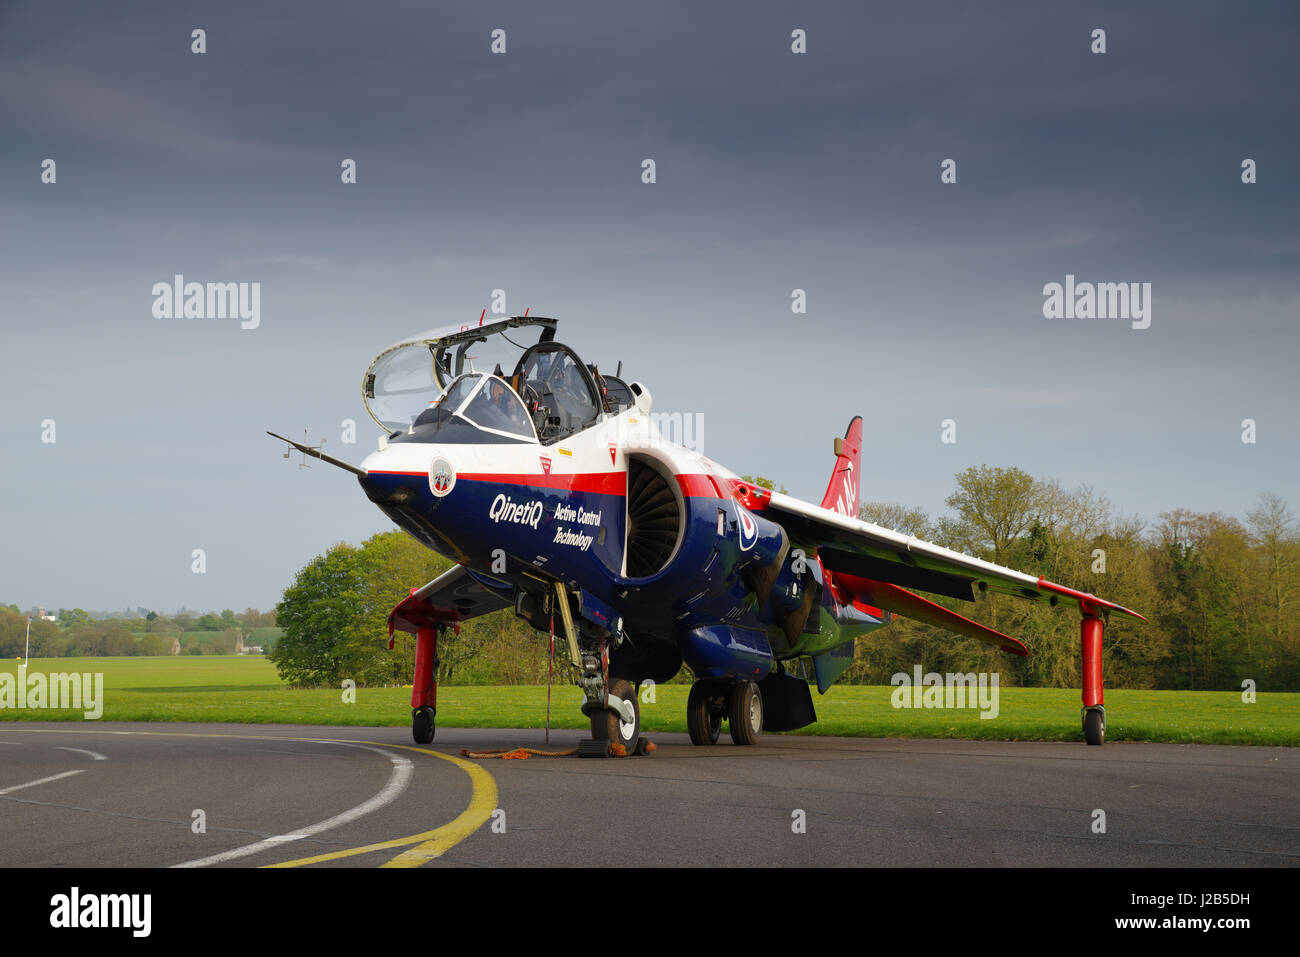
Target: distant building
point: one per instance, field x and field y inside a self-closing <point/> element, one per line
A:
<point x="42" y="614"/>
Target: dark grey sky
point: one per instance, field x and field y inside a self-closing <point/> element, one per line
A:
<point x="522" y="172"/>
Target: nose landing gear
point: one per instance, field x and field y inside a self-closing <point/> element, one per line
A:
<point x="615" y="729"/>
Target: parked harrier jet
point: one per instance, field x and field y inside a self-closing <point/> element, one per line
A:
<point x="555" y="494"/>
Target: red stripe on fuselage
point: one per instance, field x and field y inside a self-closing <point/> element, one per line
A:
<point x="696" y="485"/>
<point x="599" y="483"/>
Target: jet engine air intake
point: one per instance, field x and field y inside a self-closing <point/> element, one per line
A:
<point x="654" y="519"/>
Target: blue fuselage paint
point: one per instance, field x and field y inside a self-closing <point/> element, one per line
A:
<point x="577" y="537"/>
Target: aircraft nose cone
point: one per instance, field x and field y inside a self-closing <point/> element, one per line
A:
<point x="395" y="476"/>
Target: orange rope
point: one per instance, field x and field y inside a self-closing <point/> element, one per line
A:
<point x="511" y="754"/>
<point x="616" y="750"/>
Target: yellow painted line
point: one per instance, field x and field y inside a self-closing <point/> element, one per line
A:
<point x="429" y="844"/>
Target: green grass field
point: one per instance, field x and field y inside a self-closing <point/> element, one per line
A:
<point x="247" y="690"/>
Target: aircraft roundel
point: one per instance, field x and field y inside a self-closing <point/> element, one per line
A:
<point x="748" y="528"/>
<point x="442" y="477"/>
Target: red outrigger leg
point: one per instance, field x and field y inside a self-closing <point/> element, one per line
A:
<point x="1091" y="629"/>
<point x="424" y="687"/>
<point x="416" y="616"/>
<point x="1090" y="634"/>
<point x="1094" y="611"/>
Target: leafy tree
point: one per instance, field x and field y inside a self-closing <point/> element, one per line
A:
<point x="318" y="613"/>
<point x="225" y="643"/>
<point x="13" y="633"/>
<point x="155" y="644"/>
<point x="996" y="506"/>
<point x="117" y="640"/>
<point x="1275" y="534"/>
<point x="334" y="616"/>
<point x="75" y="618"/>
<point x="900" y="518"/>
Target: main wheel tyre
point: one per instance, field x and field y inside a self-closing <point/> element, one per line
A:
<point x="703" y="721"/>
<point x="745" y="713"/>
<point x="1094" y="727"/>
<point x="609" y="724"/>
<point x="422" y="725"/>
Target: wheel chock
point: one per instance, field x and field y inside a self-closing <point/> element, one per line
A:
<point x="593" y="748"/>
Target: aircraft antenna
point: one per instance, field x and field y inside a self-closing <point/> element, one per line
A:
<point x="288" y="448"/>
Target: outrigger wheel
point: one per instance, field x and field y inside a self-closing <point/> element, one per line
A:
<point x="704" y="708"/>
<point x="745" y="712"/>
<point x="1094" y="724"/>
<point x="608" y="726"/>
<point x="422" y="724"/>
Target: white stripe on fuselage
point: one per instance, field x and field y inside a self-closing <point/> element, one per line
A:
<point x="587" y="453"/>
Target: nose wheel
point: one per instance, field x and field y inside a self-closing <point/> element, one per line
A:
<point x="610" y="726"/>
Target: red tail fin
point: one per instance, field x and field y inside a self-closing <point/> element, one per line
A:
<point x="842" y="492"/>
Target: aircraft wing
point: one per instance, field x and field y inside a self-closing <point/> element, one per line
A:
<point x="454" y="596"/>
<point x="858" y="548"/>
<point x="901" y="601"/>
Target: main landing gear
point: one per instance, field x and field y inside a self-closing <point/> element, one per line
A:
<point x="711" y="699"/>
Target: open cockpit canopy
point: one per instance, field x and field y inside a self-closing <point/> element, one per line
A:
<point x="421" y="385"/>
<point x="408" y="376"/>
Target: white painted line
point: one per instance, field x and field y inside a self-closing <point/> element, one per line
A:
<point x="32" y="784"/>
<point x="397" y="783"/>
<point x="95" y="755"/>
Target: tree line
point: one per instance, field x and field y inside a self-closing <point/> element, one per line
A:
<point x="78" y="634"/>
<point x="1220" y="594"/>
